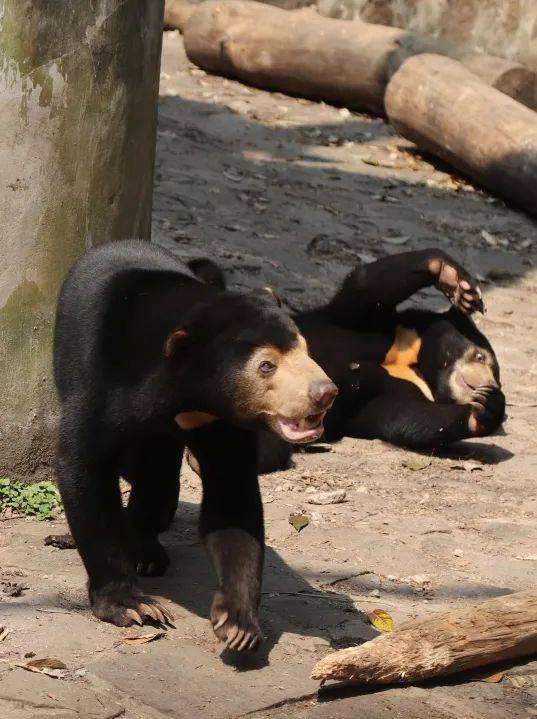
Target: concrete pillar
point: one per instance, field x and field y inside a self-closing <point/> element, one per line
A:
<point x="78" y="103"/>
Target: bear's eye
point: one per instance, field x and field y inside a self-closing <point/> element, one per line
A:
<point x="267" y="367"/>
<point x="480" y="357"/>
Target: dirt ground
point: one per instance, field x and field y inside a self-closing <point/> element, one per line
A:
<point x="290" y="193"/>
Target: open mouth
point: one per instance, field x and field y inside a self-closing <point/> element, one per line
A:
<point x="306" y="429"/>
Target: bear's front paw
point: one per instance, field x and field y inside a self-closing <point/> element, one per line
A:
<point x="488" y="410"/>
<point x="124" y="604"/>
<point x="235" y="622"/>
<point x="457" y="285"/>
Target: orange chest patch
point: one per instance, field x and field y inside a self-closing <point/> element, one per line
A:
<point x="194" y="419"/>
<point x="402" y="355"/>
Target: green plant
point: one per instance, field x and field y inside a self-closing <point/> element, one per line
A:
<point x="39" y="499"/>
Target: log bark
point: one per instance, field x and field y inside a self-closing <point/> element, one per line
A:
<point x="441" y="644"/>
<point x="446" y="110"/>
<point x="299" y="52"/>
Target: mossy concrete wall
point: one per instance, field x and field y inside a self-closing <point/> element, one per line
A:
<point x="78" y="102"/>
<point x="501" y="27"/>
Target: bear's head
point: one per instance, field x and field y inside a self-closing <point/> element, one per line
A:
<point x="241" y="358"/>
<point x="455" y="358"/>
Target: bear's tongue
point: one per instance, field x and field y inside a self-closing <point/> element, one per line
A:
<point x="301" y="429"/>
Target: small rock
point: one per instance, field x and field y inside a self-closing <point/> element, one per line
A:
<point x="334" y="497"/>
<point x="391" y="578"/>
<point x="375" y="593"/>
<point x="420" y="579"/>
<point x="458" y="553"/>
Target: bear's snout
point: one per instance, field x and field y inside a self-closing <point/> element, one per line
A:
<point x="322" y="393"/>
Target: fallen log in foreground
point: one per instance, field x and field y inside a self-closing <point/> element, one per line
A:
<point x="442" y="107"/>
<point x="300" y="52"/>
<point x="440" y="644"/>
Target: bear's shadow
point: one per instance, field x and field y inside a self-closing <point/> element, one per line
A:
<point x="289" y="603"/>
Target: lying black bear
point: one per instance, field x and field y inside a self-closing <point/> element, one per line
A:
<point x="414" y="378"/>
<point x="148" y="359"/>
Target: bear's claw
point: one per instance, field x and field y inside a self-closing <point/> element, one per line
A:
<point x="124" y="605"/>
<point x="235" y="625"/>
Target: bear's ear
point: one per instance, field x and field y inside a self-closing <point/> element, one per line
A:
<point x="175" y="343"/>
<point x="275" y="296"/>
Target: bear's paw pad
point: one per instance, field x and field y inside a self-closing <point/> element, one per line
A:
<point x="460" y="288"/>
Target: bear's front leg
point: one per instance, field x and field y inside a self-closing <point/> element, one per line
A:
<point x="238" y="561"/>
<point x="231" y="526"/>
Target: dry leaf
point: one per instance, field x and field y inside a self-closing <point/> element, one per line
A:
<point x="299" y="521"/>
<point x="494" y="678"/>
<point x="481" y="676"/>
<point x="49" y="666"/>
<point x="489" y="238"/>
<point x="143" y="638"/>
<point x="370" y="161"/>
<point x="233" y="176"/>
<point x="381" y="620"/>
<point x="4" y="631"/>
<point x="400" y="240"/>
<point x="60" y="541"/>
<point x="416" y="464"/>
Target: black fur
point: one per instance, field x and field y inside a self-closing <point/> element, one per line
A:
<point x="119" y="396"/>
<point x="350" y="337"/>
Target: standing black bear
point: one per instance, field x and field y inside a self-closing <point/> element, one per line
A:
<point x="147" y="359"/>
<point x="415" y="378"/>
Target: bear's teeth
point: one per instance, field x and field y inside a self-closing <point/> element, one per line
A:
<point x="301" y="429"/>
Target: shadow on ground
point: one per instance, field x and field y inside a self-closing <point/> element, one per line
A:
<point x="290" y="604"/>
<point x="263" y="197"/>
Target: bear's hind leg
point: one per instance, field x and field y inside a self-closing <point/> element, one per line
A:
<point x="152" y="469"/>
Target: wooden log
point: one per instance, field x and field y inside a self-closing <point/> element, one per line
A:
<point x="509" y="77"/>
<point x="302" y="53"/>
<point x="440" y="644"/>
<point x="446" y="110"/>
<point x="176" y="14"/>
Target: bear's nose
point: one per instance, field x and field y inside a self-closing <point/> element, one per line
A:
<point x="322" y="393"/>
